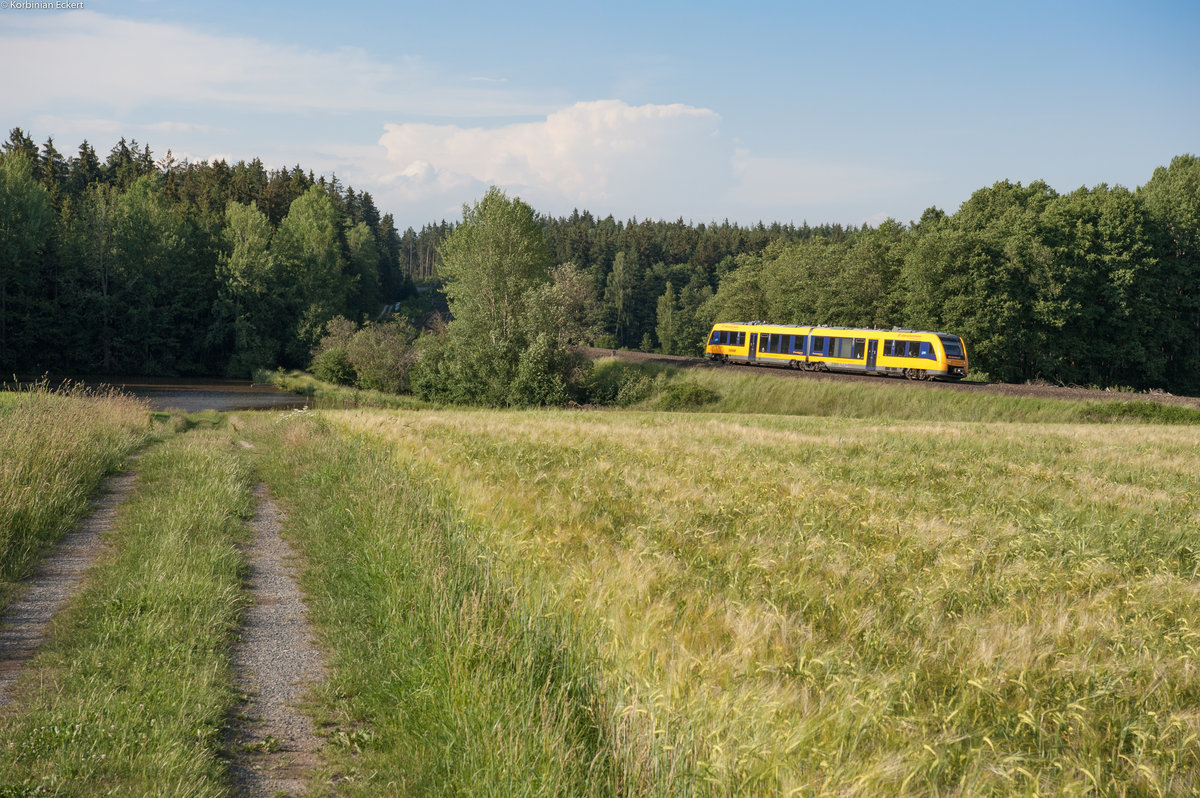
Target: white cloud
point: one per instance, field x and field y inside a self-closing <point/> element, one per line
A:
<point x="101" y="77"/>
<point x="606" y="156"/>
<point x="90" y="58"/>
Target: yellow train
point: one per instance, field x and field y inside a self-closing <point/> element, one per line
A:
<point x="914" y="354"/>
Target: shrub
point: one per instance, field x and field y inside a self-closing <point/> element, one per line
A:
<point x="634" y="388"/>
<point x="539" y="379"/>
<point x="684" y="395"/>
<point x="381" y="356"/>
<point x="333" y="365"/>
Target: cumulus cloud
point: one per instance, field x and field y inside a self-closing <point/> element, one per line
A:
<point x="604" y="155"/>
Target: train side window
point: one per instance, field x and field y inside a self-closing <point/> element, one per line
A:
<point x="860" y="348"/>
<point x="741" y="338"/>
<point x="889" y="346"/>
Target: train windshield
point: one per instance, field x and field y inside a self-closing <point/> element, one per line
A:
<point x="953" y="345"/>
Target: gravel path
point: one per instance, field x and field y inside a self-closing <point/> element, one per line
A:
<point x="276" y="663"/>
<point x="61" y="574"/>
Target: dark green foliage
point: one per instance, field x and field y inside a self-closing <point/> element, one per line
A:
<point x="129" y="264"/>
<point x="685" y="395"/>
<point x="166" y="267"/>
<point x="380" y="356"/>
<point x="614" y="382"/>
<point x="1096" y="287"/>
<point x="1138" y="410"/>
<point x="376" y="357"/>
<point x="333" y="365"/>
<point x="507" y="343"/>
<point x="539" y="379"/>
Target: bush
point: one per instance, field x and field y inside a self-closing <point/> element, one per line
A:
<point x="333" y="365"/>
<point x="634" y="388"/>
<point x="538" y="380"/>
<point x="381" y="355"/>
<point x="685" y="395"/>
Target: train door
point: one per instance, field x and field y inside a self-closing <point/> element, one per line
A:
<point x="872" y="353"/>
<point x="752" y="352"/>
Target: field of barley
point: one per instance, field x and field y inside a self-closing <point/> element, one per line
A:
<point x="806" y="589"/>
<point x="714" y="604"/>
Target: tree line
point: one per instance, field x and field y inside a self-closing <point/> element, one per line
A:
<point x="133" y="264"/>
<point x="1097" y="286"/>
<point x="141" y="266"/>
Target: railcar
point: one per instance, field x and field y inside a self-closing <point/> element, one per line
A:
<point x="915" y="354"/>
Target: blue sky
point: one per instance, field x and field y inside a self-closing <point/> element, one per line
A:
<point x="792" y="112"/>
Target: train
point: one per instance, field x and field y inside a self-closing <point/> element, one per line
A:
<point x="915" y="354"/>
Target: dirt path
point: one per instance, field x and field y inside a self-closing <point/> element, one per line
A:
<point x="23" y="627"/>
<point x="276" y="663"/>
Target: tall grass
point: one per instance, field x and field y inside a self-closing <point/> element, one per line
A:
<point x="843" y="607"/>
<point x="130" y="694"/>
<point x="751" y="390"/>
<point x="330" y="395"/>
<point x="54" y="449"/>
<point x="446" y="678"/>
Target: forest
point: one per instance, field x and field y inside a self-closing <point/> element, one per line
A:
<point x="138" y="265"/>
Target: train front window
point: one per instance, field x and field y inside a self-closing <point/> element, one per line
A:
<point x="953" y="346"/>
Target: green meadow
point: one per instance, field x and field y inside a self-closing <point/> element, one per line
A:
<point x="798" y="588"/>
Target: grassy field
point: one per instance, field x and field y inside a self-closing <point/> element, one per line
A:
<point x="131" y="694"/>
<point x="896" y="592"/>
<point x="56" y="448"/>
<point x="788" y="605"/>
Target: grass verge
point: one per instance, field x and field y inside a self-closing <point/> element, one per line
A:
<point x="445" y="677"/>
<point x="56" y="447"/>
<point x="131" y="692"/>
<point x="747" y="390"/>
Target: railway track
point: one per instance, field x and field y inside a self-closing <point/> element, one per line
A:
<point x="1033" y="390"/>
